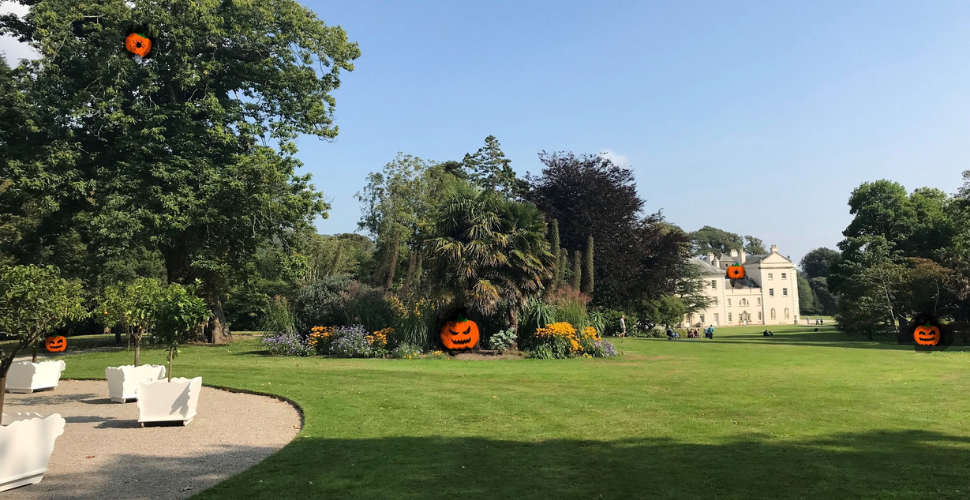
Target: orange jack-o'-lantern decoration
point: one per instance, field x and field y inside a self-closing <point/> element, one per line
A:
<point x="55" y="344"/>
<point x="927" y="334"/>
<point x="138" y="44"/>
<point x="461" y="334"/>
<point x="735" y="271"/>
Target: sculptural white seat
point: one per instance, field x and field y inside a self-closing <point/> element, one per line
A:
<point x="26" y="444"/>
<point x="25" y="377"/>
<point x="164" y="401"/>
<point x="123" y="380"/>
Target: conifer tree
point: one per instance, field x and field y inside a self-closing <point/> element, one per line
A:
<point x="557" y="255"/>
<point x="588" y="272"/>
<point x="577" y="269"/>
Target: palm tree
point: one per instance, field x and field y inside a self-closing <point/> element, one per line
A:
<point x="487" y="248"/>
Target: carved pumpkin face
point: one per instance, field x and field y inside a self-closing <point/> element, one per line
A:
<point x="735" y="271"/>
<point x="927" y="335"/>
<point x="55" y="344"/>
<point x="138" y="44"/>
<point x="462" y="334"/>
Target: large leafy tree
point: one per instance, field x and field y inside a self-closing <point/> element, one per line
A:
<point x="190" y="152"/>
<point x="487" y="249"/>
<point x="639" y="257"/>
<point x="718" y="241"/>
<point x="818" y="262"/>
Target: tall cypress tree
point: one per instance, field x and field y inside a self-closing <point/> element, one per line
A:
<point x="563" y="264"/>
<point x="577" y="269"/>
<point x="588" y="272"/>
<point x="557" y="255"/>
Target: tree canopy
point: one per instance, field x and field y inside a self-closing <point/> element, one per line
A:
<point x="190" y="152"/>
<point x="720" y="242"/>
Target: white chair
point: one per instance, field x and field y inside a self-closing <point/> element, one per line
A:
<point x="123" y="380"/>
<point x="26" y="444"/>
<point x="25" y="377"/>
<point x="163" y="401"/>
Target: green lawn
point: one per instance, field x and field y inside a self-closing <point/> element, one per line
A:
<point x="798" y="415"/>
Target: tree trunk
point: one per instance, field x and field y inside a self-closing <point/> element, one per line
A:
<point x="33" y="349"/>
<point x="137" y="349"/>
<point x="514" y="320"/>
<point x="412" y="265"/>
<point x="218" y="328"/>
<point x="170" y="353"/>
<point x="3" y="390"/>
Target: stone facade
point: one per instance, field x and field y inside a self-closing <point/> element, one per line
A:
<point x="768" y="295"/>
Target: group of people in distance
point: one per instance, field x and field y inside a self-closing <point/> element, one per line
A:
<point x="692" y="333"/>
<point x="818" y="321"/>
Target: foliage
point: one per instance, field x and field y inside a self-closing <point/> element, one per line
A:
<point x="536" y="314"/>
<point x="34" y="301"/>
<point x="667" y="310"/>
<point x="279" y="319"/>
<point x="365" y="305"/>
<point x="826" y="301"/>
<point x="352" y="342"/>
<point x="321" y="338"/>
<point x="807" y="300"/>
<point x="591" y="196"/>
<point x="132" y="306"/>
<point x="588" y="273"/>
<point x="817" y="263"/>
<point x="577" y="270"/>
<point x="720" y="242"/>
<point x="562" y="340"/>
<point x="415" y="321"/>
<point x="287" y="344"/>
<point x="487" y="249"/>
<point x="407" y="351"/>
<point x="502" y="341"/>
<point x="489" y="169"/>
<point x="191" y="154"/>
<point x="558" y="269"/>
<point x="321" y="303"/>
<point x="568" y="305"/>
<point x="178" y="313"/>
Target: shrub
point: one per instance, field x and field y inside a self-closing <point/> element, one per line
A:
<point x="502" y="341"/>
<point x="541" y="352"/>
<point x="437" y="355"/>
<point x="603" y="349"/>
<point x="351" y="342"/>
<point x="278" y="319"/>
<point x="407" y="351"/>
<point x="365" y="305"/>
<point x="321" y="338"/>
<point x="321" y="303"/>
<point x="569" y="305"/>
<point x="562" y="340"/>
<point x="379" y="342"/>
<point x="287" y="345"/>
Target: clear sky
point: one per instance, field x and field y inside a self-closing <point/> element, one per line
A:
<point x="754" y="117"/>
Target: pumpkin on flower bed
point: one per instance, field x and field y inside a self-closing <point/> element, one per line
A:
<point x="460" y="335"/>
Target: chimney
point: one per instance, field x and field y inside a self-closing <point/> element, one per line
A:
<point x="734" y="253"/>
<point x="710" y="259"/>
<point x="741" y="256"/>
<point x="774" y="248"/>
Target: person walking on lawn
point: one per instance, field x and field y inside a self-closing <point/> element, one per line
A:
<point x="623" y="325"/>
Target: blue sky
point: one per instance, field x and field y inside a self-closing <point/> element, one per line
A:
<point x="758" y="118"/>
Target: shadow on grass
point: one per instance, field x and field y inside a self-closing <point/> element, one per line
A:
<point x="903" y="464"/>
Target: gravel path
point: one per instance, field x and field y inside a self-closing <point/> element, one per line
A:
<point x="105" y="454"/>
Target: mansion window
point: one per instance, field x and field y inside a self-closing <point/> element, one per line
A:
<point x="729" y="317"/>
<point x="787" y="313"/>
<point x="771" y="292"/>
<point x="713" y="284"/>
<point x="784" y="291"/>
<point x="729" y="304"/>
<point x="759" y="315"/>
<point x="784" y="276"/>
<point x="770" y="276"/>
<point x="715" y="319"/>
<point x="759" y="301"/>
<point x="744" y="302"/>
<point x="772" y="313"/>
<point x="714" y="301"/>
<point x="702" y="318"/>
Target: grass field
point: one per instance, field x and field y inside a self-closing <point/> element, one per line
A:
<point x="797" y="415"/>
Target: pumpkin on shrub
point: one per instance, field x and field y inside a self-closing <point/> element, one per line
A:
<point x="55" y="344"/>
<point x="735" y="271"/>
<point x="458" y="335"/>
<point x="927" y="334"/>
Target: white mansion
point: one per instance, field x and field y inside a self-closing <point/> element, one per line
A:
<point x="768" y="294"/>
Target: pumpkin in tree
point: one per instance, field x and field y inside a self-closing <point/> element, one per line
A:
<point x="138" y="42"/>
<point x="55" y="344"/>
<point x="459" y="335"/>
<point x="735" y="271"/>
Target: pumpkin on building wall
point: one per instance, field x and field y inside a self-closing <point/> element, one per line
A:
<point x="927" y="334"/>
<point x="459" y="335"/>
<point x="735" y="271"/>
<point x="55" y="344"/>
